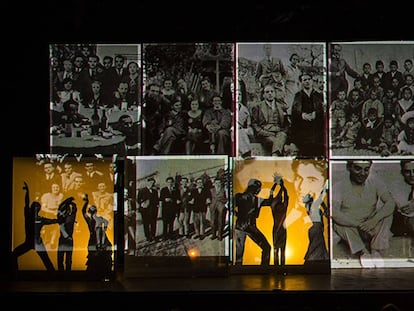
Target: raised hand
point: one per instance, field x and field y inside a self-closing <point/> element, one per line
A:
<point x="277" y="178"/>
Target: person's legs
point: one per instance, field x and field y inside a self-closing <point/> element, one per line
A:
<point x="258" y="237"/>
<point x="240" y="243"/>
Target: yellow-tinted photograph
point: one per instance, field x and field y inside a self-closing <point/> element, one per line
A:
<point x="280" y="213"/>
<point x="63" y="214"/>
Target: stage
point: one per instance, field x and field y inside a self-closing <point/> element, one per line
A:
<point x="343" y="289"/>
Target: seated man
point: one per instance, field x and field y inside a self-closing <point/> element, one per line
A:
<point x="357" y="219"/>
<point x="269" y="122"/>
<point x="174" y="127"/>
<point x="217" y="121"/>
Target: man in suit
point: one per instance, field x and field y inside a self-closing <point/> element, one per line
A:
<point x="169" y="197"/>
<point x="308" y="120"/>
<point x="268" y="66"/>
<point x="217" y="121"/>
<point x="269" y="121"/>
<point x="338" y="69"/>
<point x="148" y="202"/>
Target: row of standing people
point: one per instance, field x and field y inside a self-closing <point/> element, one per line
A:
<point x="104" y="83"/>
<point x="186" y="204"/>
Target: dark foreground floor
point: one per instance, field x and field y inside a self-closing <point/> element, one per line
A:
<point x="343" y="289"/>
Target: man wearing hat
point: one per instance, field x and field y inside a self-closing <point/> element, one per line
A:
<point x="248" y="208"/>
<point x="406" y="136"/>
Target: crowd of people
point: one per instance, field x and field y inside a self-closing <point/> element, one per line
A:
<point x="179" y="207"/>
<point x="86" y="88"/>
<point x="186" y="109"/>
<point x="375" y="113"/>
<point x="282" y="106"/>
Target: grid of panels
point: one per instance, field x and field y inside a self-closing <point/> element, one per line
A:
<point x="285" y="120"/>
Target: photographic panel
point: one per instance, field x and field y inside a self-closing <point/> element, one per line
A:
<point x="372" y="206"/>
<point x="177" y="215"/>
<point x="371" y="99"/>
<point x="64" y="216"/>
<point x="281" y="101"/>
<point x="281" y="215"/>
<point x="95" y="99"/>
<point x="188" y="101"/>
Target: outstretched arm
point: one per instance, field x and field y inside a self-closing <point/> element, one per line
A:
<point x="277" y="180"/>
<point x="268" y="201"/>
<point x="26" y="197"/>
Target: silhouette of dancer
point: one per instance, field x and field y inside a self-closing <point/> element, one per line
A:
<point x="317" y="250"/>
<point x="66" y="218"/>
<point x="99" y="261"/>
<point x="279" y="206"/>
<point x="248" y="209"/>
<point x="33" y="224"/>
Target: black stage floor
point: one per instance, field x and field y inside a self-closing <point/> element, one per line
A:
<point x="342" y="289"/>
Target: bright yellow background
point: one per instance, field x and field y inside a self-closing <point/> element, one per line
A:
<point x="297" y="232"/>
<point x="25" y="169"/>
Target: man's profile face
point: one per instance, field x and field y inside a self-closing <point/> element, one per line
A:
<point x="308" y="180"/>
<point x="359" y="171"/>
<point x="408" y="173"/>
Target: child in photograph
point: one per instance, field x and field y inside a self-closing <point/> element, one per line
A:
<point x="370" y="132"/>
<point x="405" y="104"/>
<point x="389" y="101"/>
<point x="372" y="102"/>
<point x="338" y="112"/>
<point x="406" y="136"/>
<point x="388" y="140"/>
<point x="349" y="133"/>
<point x="355" y="102"/>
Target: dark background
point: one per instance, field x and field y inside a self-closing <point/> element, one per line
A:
<point x="28" y="29"/>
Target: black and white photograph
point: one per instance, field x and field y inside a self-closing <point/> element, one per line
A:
<point x="176" y="206"/>
<point x="372" y="213"/>
<point x="281" y="108"/>
<point x="95" y="99"/>
<point x="188" y="99"/>
<point x="371" y="99"/>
